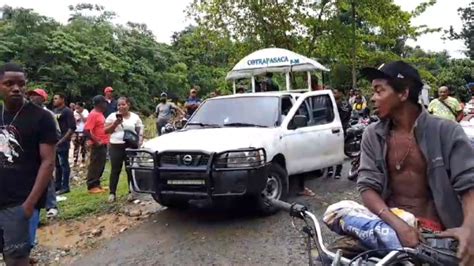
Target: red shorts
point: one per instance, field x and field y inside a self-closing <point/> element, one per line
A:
<point x="429" y="225"/>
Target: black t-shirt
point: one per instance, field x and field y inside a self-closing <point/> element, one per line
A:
<point x="66" y="121"/>
<point x="19" y="152"/>
<point x="111" y="108"/>
<point x="345" y="111"/>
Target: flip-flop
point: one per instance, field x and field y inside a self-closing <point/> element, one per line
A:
<point x="307" y="192"/>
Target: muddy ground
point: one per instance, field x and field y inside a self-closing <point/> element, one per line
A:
<point x="219" y="237"/>
<point x="144" y="233"/>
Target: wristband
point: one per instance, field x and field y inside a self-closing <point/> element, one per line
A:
<point x="382" y="210"/>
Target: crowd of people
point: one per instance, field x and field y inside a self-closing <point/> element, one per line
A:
<point x="35" y="145"/>
<point x="413" y="160"/>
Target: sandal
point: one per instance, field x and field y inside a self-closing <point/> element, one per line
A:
<point x="307" y="192"/>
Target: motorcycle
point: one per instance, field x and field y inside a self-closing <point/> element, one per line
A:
<point x="433" y="251"/>
<point x="353" y="171"/>
<point x="173" y="126"/>
<point x="353" y="137"/>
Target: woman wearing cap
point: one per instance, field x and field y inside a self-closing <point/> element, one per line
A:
<point x="115" y="124"/>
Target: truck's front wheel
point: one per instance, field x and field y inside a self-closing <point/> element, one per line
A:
<point x="276" y="188"/>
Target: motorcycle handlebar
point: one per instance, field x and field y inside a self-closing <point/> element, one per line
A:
<point x="294" y="209"/>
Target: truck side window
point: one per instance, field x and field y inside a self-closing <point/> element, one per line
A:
<point x="321" y="109"/>
<point x="286" y="105"/>
<point x="303" y="110"/>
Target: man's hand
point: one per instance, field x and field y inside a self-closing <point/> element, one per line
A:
<point x="408" y="236"/>
<point x="465" y="236"/>
<point x="28" y="209"/>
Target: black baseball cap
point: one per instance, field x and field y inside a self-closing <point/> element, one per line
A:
<point x="397" y="70"/>
<point x="98" y="100"/>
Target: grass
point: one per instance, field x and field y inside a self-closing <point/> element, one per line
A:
<point x="150" y="127"/>
<point x="80" y="203"/>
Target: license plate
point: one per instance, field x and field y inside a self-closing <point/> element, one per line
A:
<point x="186" y="182"/>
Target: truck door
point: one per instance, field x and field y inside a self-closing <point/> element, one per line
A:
<point x="320" y="143"/>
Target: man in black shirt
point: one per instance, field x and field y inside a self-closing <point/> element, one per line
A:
<point x="27" y="153"/>
<point x="67" y="124"/>
<point x="345" y="110"/>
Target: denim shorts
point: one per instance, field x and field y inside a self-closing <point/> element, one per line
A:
<point x="14" y="233"/>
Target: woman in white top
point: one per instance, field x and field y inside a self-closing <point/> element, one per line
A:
<point x="115" y="124"/>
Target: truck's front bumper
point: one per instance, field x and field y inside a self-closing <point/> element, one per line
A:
<point x="164" y="175"/>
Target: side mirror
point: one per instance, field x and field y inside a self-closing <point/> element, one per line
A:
<point x="298" y="121"/>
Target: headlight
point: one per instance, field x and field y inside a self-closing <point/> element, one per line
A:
<point x="141" y="159"/>
<point x="241" y="159"/>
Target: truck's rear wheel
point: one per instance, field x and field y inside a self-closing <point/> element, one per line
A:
<point x="276" y="188"/>
<point x="171" y="202"/>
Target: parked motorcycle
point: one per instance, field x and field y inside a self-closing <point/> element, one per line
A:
<point x="354" y="170"/>
<point x="357" y="138"/>
<point x="359" y="121"/>
<point x="173" y="126"/>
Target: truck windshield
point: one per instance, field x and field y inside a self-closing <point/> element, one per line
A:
<point x="238" y="112"/>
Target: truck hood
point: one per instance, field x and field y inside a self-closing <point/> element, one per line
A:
<point x="212" y="139"/>
<point x="468" y="127"/>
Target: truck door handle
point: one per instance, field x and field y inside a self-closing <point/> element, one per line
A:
<point x="336" y="130"/>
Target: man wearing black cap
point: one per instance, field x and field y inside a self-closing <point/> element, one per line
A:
<point x="164" y="112"/>
<point x="98" y="140"/>
<point x="416" y="162"/>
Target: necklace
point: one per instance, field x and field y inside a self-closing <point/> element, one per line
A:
<point x="14" y="117"/>
<point x="399" y="164"/>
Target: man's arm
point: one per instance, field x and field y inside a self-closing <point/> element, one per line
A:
<point x="431" y="106"/>
<point x="47" y="151"/>
<point x="45" y="172"/>
<point x="91" y="136"/>
<point x="468" y="207"/>
<point x="176" y="108"/>
<point x="459" y="110"/>
<point x="461" y="160"/>
<point x="90" y="124"/>
<point x="71" y="122"/>
<point x="66" y="137"/>
<point x="407" y="235"/>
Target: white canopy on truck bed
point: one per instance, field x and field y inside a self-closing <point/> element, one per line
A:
<point x="273" y="60"/>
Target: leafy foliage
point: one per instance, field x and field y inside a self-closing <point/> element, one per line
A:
<point x="89" y="53"/>
<point x="467" y="33"/>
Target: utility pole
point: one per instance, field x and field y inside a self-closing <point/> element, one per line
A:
<point x="354" y="74"/>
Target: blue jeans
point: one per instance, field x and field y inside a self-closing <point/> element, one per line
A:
<point x="51" y="202"/>
<point x="15" y="232"/>
<point x="34" y="223"/>
<point x="63" y="171"/>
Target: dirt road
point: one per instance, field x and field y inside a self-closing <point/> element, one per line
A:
<point x="222" y="237"/>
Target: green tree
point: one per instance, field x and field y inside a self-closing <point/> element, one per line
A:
<point x="90" y="53"/>
<point x="467" y="32"/>
<point x="319" y="29"/>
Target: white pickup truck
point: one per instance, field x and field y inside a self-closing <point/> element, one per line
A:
<point x="243" y="145"/>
